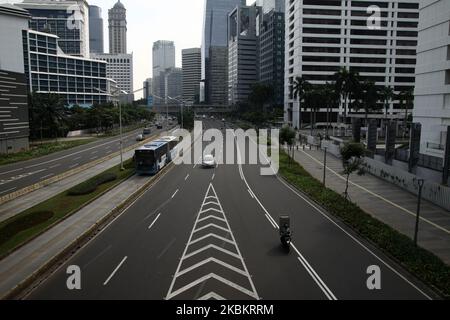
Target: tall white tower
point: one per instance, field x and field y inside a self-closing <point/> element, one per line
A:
<point x="117" y="29"/>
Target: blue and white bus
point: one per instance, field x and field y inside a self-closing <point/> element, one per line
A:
<point x="155" y="155"/>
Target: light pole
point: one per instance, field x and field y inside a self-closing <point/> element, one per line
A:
<point x="325" y="166"/>
<point x="421" y="182"/>
<point x="182" y="104"/>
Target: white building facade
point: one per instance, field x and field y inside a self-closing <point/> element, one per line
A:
<point x="432" y="94"/>
<point x="119" y="68"/>
<point x="323" y="36"/>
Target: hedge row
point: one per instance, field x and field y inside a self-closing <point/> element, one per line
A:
<point x="418" y="261"/>
<point x="91" y="185"/>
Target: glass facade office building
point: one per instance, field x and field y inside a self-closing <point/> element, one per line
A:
<point x="79" y="81"/>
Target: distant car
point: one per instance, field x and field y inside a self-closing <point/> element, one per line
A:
<point x="140" y="137"/>
<point x="204" y="116"/>
<point x="223" y="120"/>
<point x="159" y="126"/>
<point x="146" y="131"/>
<point x="208" y="161"/>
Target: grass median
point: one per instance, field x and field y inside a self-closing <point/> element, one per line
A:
<point x="421" y="263"/>
<point x="25" y="226"/>
<point x="42" y="150"/>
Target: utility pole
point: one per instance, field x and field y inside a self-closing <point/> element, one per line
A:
<point x="419" y="200"/>
<point x="325" y="166"/>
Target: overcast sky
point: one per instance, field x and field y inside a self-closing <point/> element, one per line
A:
<point x="150" y="20"/>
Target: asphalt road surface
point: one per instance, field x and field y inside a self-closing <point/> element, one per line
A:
<point x="22" y="174"/>
<point x="211" y="234"/>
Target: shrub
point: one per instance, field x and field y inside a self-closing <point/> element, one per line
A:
<point x="420" y="262"/>
<point x="17" y="225"/>
<point x="91" y="185"/>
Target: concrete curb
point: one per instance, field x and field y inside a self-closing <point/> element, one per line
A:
<point x="15" y="292"/>
<point x="42" y="184"/>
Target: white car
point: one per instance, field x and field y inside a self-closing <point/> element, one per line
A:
<point x="208" y="161"/>
<point x="140" y="137"/>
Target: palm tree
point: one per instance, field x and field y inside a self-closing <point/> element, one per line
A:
<point x="48" y="109"/>
<point x="370" y="97"/>
<point x="386" y="95"/>
<point x="406" y="98"/>
<point x="346" y="83"/>
<point x="300" y="88"/>
<point x="331" y="99"/>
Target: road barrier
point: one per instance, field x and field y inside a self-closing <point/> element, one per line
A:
<point x="19" y="193"/>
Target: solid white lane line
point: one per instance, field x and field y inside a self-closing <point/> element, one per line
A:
<point x="213" y="176"/>
<point x="380" y="197"/>
<point x="354" y="239"/>
<point x="187" y="177"/>
<point x="349" y="235"/>
<point x="115" y="270"/>
<point x="73" y="166"/>
<point x="251" y="195"/>
<point x="273" y="225"/>
<point x="305" y="263"/>
<point x="6" y="191"/>
<point x="173" y="196"/>
<point x="154" y="221"/>
<point x="47" y="176"/>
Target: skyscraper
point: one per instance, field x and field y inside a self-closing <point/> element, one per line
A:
<point x="432" y="94"/>
<point x="96" y="43"/>
<point x="163" y="59"/>
<point x="269" y="5"/>
<point x="243" y="51"/>
<point x="324" y="36"/>
<point x="218" y="75"/>
<point x="271" y="53"/>
<point x="117" y="19"/>
<point x="69" y="20"/>
<point x="192" y="60"/>
<point x="215" y="23"/>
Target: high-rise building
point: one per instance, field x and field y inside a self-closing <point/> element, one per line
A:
<point x="77" y="80"/>
<point x="147" y="85"/>
<point x="117" y="20"/>
<point x="163" y="56"/>
<point x="432" y="93"/>
<point x="96" y="42"/>
<point x="271" y="53"/>
<point x="191" y="65"/>
<point x="173" y="81"/>
<point x="14" y="126"/>
<point x="218" y="75"/>
<point x="69" y="20"/>
<point x="119" y="68"/>
<point x="163" y="59"/>
<point x="243" y="51"/>
<point x="269" y="5"/>
<point x="324" y="36"/>
<point x="215" y="22"/>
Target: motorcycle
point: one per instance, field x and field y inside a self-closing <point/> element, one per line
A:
<point x="285" y="232"/>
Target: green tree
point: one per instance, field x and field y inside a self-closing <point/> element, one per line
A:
<point x="300" y="89"/>
<point x="188" y="119"/>
<point x="331" y="100"/>
<point x="406" y="99"/>
<point x="352" y="161"/>
<point x="386" y="95"/>
<point x="346" y="84"/>
<point x="47" y="111"/>
<point x="260" y="96"/>
<point x="287" y="136"/>
<point x="367" y="97"/>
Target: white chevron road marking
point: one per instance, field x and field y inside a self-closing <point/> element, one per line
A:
<point x="248" y="288"/>
<point x="211" y="295"/>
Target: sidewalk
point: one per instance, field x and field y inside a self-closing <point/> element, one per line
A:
<point x="20" y="204"/>
<point x="384" y="201"/>
<point x="27" y="260"/>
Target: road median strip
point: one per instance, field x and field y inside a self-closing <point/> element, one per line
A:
<point x="73" y="170"/>
<point x="417" y="261"/>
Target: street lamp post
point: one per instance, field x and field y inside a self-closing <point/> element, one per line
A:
<point x="421" y="182"/>
<point x="182" y="104"/>
<point x="324" y="166"/>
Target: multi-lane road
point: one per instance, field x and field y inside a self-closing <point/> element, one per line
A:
<point x="19" y="175"/>
<point x="212" y="234"/>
